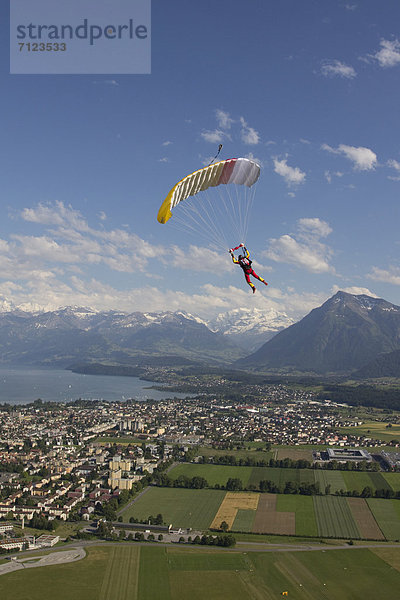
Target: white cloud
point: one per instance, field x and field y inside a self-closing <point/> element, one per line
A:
<point x="55" y="214"/>
<point x="251" y="156"/>
<point x="292" y="175"/>
<point x="329" y="175"/>
<point x="215" y="137"/>
<point x="391" y="275"/>
<point x="69" y="240"/>
<point x="394" y="164"/>
<point x="389" y="54"/>
<point x="198" y="259"/>
<point x="223" y="119"/>
<point x="355" y="290"/>
<point x="164" y="159"/>
<point x="106" y="82"/>
<point x="49" y="294"/>
<point x="335" y="68"/>
<point x="304" y="248"/>
<point x="248" y="134"/>
<point x="363" y="159"/>
<point x="166" y="143"/>
<point x="313" y="227"/>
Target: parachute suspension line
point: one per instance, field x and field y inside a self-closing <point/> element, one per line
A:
<point x="231" y="212"/>
<point x="248" y="204"/>
<point x="216" y="156"/>
<point x="220" y="223"/>
<point x="216" y="217"/>
<point x="190" y="218"/>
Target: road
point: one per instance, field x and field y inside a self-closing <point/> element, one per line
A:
<point x="53" y="558"/>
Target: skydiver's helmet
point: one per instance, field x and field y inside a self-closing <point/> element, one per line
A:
<point x="240" y="257"/>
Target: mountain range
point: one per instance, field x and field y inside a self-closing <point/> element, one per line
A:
<point x="74" y="334"/>
<point x="249" y="328"/>
<point x="355" y="334"/>
<point x="344" y="334"/>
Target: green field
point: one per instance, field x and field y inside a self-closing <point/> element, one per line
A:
<point x="153" y="574"/>
<point x="214" y="474"/>
<point x="250" y="452"/>
<point x="332" y="478"/>
<point x="219" y="474"/>
<point x="379" y="482"/>
<point x="334" y="518"/>
<point x="303" y="507"/>
<point x="251" y="476"/>
<point x="244" y="520"/>
<point x="179" y="507"/>
<point x="393" y="480"/>
<point x="192" y="573"/>
<point x="374" y="429"/>
<point x="387" y="515"/>
<point x="355" y="480"/>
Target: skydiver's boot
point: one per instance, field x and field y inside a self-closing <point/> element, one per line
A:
<point x="254" y="289"/>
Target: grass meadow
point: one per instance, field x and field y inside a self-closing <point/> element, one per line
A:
<point x="191" y="573"/>
<point x="387" y="515"/>
<point x="303" y="507"/>
<point x="214" y="474"/>
<point x="179" y="507"/>
<point x="337" y="480"/>
<point x="294" y="514"/>
<point x="334" y="517"/>
<point x="393" y="480"/>
<point x="249" y="452"/>
<point x="376" y="430"/>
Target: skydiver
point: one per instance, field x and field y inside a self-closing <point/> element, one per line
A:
<point x="245" y="263"/>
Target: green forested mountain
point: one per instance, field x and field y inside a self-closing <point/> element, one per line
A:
<point x="342" y="335"/>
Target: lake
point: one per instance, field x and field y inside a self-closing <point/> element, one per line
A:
<point x="20" y="385"/>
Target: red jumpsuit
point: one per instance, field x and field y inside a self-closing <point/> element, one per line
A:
<point x="245" y="263"/>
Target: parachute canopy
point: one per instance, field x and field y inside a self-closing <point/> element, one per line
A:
<point x="240" y="171"/>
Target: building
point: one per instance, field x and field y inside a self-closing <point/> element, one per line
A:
<point x="47" y="540"/>
<point x="348" y="454"/>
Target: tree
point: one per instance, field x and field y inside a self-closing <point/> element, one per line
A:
<point x="104" y="529"/>
<point x="224" y="526"/>
<point x="234" y="484"/>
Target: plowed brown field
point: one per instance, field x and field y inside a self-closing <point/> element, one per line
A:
<point x="268" y="520"/>
<point x="365" y="521"/>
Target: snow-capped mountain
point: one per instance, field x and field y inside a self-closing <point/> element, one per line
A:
<point x="249" y="328"/>
<point x="75" y="334"/>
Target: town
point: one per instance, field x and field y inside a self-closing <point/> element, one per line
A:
<point x="83" y="460"/>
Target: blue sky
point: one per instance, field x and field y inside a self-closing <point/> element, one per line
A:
<point x="310" y="89"/>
